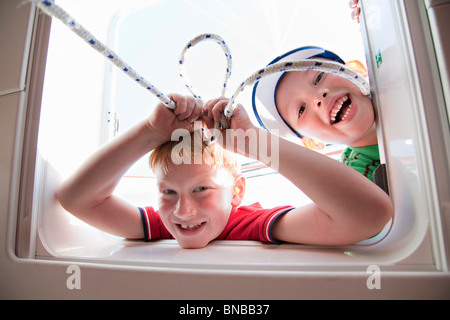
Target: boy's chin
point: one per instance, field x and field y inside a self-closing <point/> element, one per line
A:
<point x="193" y="244"/>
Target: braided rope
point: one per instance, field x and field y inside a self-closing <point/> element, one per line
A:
<point x="192" y="43"/>
<point x="300" y="65"/>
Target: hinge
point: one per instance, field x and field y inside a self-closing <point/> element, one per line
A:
<point x="113" y="123"/>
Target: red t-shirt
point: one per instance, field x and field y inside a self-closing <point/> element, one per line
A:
<point x="245" y="223"/>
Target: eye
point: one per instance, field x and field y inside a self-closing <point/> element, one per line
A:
<point x="169" y="191"/>
<point x="319" y="78"/>
<point x="301" y="110"/>
<point x="199" y="189"/>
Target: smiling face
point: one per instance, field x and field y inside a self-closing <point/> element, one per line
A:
<point x="195" y="201"/>
<point x="327" y="107"/>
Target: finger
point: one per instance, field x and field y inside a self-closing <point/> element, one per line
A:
<point x="355" y="14"/>
<point x="215" y="100"/>
<point x="218" y="108"/>
<point x="176" y="97"/>
<point x="353" y="4"/>
<point x="209" y="106"/>
<point x="180" y="103"/>
<point x="189" y="107"/>
<point x="211" y="103"/>
<point x="193" y="110"/>
<point x="196" y="111"/>
<point x="209" y="122"/>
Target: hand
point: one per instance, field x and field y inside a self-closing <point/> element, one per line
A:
<point x="164" y="120"/>
<point x="240" y="128"/>
<point x="213" y="111"/>
<point x="356" y="11"/>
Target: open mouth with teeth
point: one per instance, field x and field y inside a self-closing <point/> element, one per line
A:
<point x="341" y="110"/>
<point x="190" y="227"/>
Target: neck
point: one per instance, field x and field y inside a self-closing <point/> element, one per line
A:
<point x="369" y="139"/>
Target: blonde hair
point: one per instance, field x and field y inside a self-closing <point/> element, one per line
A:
<point x="211" y="154"/>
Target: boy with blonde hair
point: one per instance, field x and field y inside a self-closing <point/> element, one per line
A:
<point x="201" y="202"/>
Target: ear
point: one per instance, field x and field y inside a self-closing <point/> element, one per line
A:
<point x="358" y="67"/>
<point x="313" y="143"/>
<point x="238" y="191"/>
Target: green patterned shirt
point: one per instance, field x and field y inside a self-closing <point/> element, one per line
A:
<point x="363" y="159"/>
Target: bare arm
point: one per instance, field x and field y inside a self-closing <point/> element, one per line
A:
<point x="88" y="194"/>
<point x="347" y="207"/>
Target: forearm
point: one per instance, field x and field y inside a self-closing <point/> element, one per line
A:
<point x="347" y="207"/>
<point x="96" y="179"/>
<point x="341" y="193"/>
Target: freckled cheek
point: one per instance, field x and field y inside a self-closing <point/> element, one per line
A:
<point x="218" y="222"/>
<point x="366" y="110"/>
<point x="313" y="127"/>
<point x="217" y="210"/>
<point x="166" y="209"/>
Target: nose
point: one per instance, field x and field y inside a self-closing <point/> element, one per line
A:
<point x="185" y="207"/>
<point x="321" y="96"/>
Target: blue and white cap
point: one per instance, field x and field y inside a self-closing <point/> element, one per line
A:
<point x="264" y="92"/>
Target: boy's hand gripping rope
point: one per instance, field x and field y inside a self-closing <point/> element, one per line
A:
<point x="51" y="9"/>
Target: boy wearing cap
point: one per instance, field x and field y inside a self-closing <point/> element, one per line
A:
<point x="319" y="105"/>
<point x="200" y="202"/>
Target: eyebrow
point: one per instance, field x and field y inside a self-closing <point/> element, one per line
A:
<point x="204" y="178"/>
